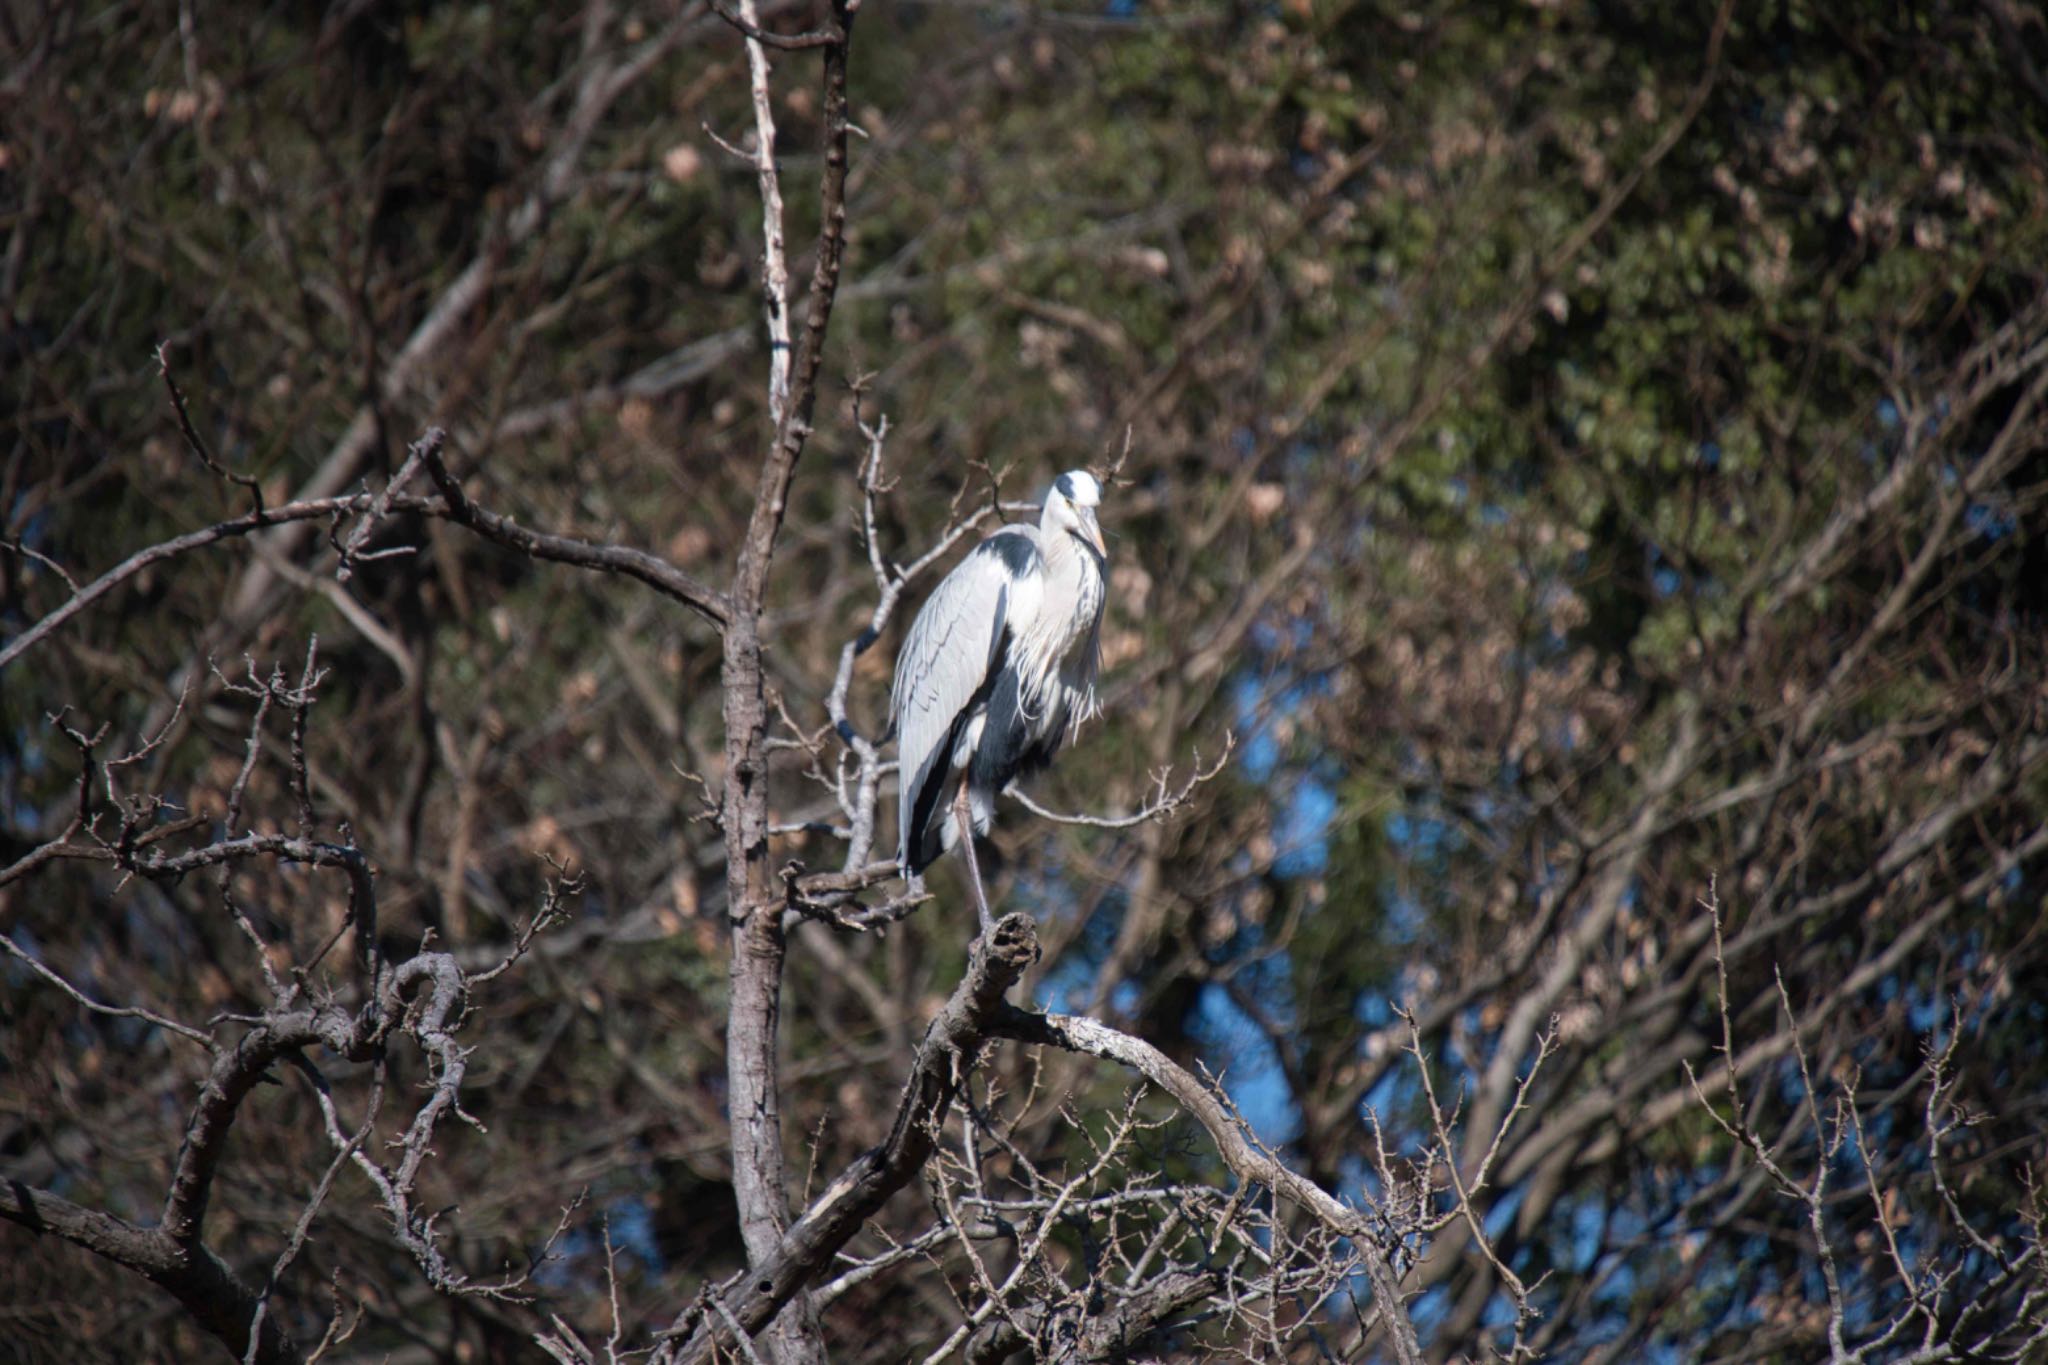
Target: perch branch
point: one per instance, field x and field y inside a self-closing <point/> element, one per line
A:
<point x="807" y="1249"/>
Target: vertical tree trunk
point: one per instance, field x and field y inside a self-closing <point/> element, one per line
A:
<point x="754" y="902"/>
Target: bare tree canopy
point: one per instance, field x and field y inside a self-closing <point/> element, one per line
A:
<point x="1559" y="871"/>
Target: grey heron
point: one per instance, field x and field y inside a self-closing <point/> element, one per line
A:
<point x="997" y="672"/>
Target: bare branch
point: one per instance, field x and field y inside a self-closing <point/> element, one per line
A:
<point x="747" y="22"/>
<point x="655" y="572"/>
<point x="775" y="264"/>
<point x="943" y="1059"/>
<point x="194" y="441"/>
<point x="646" y="568"/>
<point x="217" y="1300"/>
<point x="234" y="1074"/>
<point x="1244" y="1158"/>
<point x="317" y="509"/>
<point x="20" y="955"/>
<point x="1162" y="803"/>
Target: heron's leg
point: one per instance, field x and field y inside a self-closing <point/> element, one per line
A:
<point x="963" y="813"/>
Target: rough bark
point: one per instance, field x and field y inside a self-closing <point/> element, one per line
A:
<point x="943" y="1060"/>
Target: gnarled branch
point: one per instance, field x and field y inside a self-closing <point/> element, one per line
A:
<point x="943" y="1059"/>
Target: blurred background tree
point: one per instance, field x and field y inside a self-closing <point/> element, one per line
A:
<point x="1589" y="454"/>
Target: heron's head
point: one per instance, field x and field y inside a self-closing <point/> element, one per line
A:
<point x="1070" y="508"/>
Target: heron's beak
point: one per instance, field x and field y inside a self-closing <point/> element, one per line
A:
<point x="1092" y="529"/>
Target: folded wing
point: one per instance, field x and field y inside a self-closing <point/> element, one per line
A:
<point x="947" y="669"/>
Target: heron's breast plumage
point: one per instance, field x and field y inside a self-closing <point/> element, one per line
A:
<point x="1054" y="646"/>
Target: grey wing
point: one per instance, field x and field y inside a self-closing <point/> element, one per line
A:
<point x="954" y="648"/>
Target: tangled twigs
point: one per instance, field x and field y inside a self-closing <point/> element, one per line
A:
<point x="423" y="999"/>
<point x="810" y="1245"/>
<point x="1239" y="1150"/>
<point x="2006" y="1319"/>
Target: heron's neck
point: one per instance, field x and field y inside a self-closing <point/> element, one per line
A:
<point x="1067" y="556"/>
